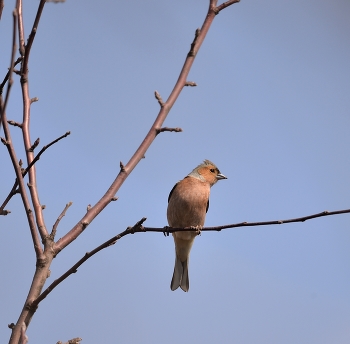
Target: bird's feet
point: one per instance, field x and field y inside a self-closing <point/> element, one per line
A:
<point x="166" y="232"/>
<point x="198" y="229"/>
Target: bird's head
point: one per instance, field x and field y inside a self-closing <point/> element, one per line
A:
<point x="208" y="172"/>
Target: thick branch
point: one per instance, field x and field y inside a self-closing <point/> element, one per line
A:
<point x="140" y="153"/>
<point x="26" y="115"/>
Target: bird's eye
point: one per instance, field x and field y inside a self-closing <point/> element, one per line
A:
<point x="212" y="170"/>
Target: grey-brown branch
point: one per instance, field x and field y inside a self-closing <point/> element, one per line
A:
<point x="139" y="228"/>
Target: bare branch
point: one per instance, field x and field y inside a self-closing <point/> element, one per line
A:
<point x="37" y="157"/>
<point x="190" y="83"/>
<point x="34" y="145"/>
<point x="224" y="5"/>
<point x="2" y="85"/>
<point x="130" y="230"/>
<point x="12" y="153"/>
<point x="31" y="39"/>
<point x="25" y="171"/>
<point x="248" y="224"/>
<point x="15" y="124"/>
<point x="54" y="228"/>
<point x="177" y="130"/>
<point x="3" y="105"/>
<point x="159" y="98"/>
<point x="139" y="228"/>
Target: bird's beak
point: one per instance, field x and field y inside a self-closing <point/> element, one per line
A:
<point x="220" y="176"/>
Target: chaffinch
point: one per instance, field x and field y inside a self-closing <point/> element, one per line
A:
<point x="188" y="204"/>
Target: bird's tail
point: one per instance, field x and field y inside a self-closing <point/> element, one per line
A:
<point x="180" y="275"/>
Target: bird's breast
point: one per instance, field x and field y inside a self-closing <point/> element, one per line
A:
<point x="188" y="203"/>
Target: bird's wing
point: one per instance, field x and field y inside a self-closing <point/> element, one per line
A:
<point x="171" y="192"/>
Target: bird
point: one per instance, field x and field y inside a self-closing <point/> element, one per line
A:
<point x="188" y="203"/>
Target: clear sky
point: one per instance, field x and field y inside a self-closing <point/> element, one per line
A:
<point x="272" y="110"/>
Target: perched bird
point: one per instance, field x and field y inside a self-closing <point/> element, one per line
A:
<point x="188" y="204"/>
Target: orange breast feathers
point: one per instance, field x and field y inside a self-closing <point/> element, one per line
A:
<point x="188" y="202"/>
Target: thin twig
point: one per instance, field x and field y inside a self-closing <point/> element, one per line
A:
<point x="2" y="85"/>
<point x="224" y="5"/>
<point x="248" y="224"/>
<point x="161" y="130"/>
<point x="159" y="98"/>
<point x="54" y="228"/>
<point x="139" y="228"/>
<point x="31" y="38"/>
<point x="3" y="105"/>
<point x="14" y="123"/>
<point x="190" y="83"/>
<point x="25" y="171"/>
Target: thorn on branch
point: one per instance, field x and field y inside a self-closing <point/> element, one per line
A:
<point x="20" y="162"/>
<point x="35" y="144"/>
<point x="5" y="212"/>
<point x="122" y="167"/>
<point x="190" y="83"/>
<point x="177" y="130"/>
<point x="88" y="207"/>
<point x="43" y="206"/>
<point x="33" y="100"/>
<point x="15" y="124"/>
<point x="16" y="71"/>
<point x="193" y="45"/>
<point x="114" y="199"/>
<point x="11" y="326"/>
<point x="159" y="98"/>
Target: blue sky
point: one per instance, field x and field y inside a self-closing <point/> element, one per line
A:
<point x="271" y="109"/>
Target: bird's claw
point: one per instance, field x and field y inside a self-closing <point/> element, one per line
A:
<point x="198" y="229"/>
<point x="166" y="232"/>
